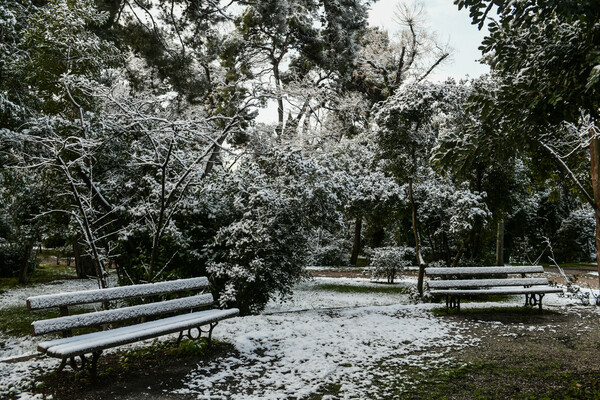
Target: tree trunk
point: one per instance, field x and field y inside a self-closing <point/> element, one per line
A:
<point x="84" y="264"/>
<point x="416" y="234"/>
<point x="462" y="249"/>
<point x="500" y="244"/>
<point x="356" y="246"/>
<point x="279" y="96"/>
<point x="447" y="256"/>
<point x="478" y="223"/>
<point x="27" y="249"/>
<point x="595" y="174"/>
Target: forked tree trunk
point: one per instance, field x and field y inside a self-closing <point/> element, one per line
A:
<point x="356" y="245"/>
<point x="500" y="244"/>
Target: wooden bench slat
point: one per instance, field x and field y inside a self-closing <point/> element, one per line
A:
<point x="473" y="283"/>
<point x="96" y="341"/>
<point x="498" y="290"/>
<point x="122" y="314"/>
<point x="527" y="269"/>
<point x="43" y="346"/>
<point x="116" y="293"/>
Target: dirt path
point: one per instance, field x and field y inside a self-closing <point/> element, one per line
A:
<point x="522" y="356"/>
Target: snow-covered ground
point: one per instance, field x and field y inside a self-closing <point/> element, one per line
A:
<point x="320" y="337"/>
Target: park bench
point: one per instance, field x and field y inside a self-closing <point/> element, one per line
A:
<point x="127" y="324"/>
<point x="454" y="283"/>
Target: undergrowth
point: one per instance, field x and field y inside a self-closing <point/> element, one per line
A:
<point x="362" y="289"/>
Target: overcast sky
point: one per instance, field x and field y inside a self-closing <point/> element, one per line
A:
<point x="451" y="25"/>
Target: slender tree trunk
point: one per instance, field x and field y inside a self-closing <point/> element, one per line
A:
<point x="27" y="249"/>
<point x="500" y="244"/>
<point x="462" y="249"/>
<point x="101" y="274"/>
<point x="356" y="245"/>
<point x="595" y="174"/>
<point x="84" y="265"/>
<point x="280" y="113"/>
<point x="478" y="223"/>
<point x="447" y="256"/>
<point x="416" y="234"/>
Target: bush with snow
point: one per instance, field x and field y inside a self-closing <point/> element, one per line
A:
<point x="389" y="262"/>
<point x="266" y="211"/>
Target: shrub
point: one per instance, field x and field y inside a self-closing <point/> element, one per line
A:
<point x="266" y="212"/>
<point x="389" y="262"/>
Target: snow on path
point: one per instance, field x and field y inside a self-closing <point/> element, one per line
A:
<point x="294" y="355"/>
<point x="297" y="348"/>
<point x="323" y="337"/>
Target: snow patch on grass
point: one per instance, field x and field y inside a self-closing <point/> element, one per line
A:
<point x="346" y="344"/>
<point x="297" y="354"/>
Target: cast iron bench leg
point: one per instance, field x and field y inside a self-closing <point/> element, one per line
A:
<point x="453" y="302"/>
<point x="534" y="299"/>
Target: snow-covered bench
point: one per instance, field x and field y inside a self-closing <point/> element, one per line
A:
<point x="477" y="281"/>
<point x="129" y="319"/>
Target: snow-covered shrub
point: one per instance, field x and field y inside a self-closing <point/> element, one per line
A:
<point x="266" y="211"/>
<point x="389" y="262"/>
<point x="12" y="257"/>
<point x="415" y="297"/>
<point x="329" y="248"/>
<point x="574" y="240"/>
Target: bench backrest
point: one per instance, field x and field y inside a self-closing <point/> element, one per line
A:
<point x="486" y="283"/>
<point x="474" y="271"/>
<point x="65" y="323"/>
<point x="116" y="293"/>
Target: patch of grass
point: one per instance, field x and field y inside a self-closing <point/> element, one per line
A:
<point x="571" y="265"/>
<point x="44" y="273"/>
<point x="16" y="320"/>
<point x="362" y="262"/>
<point x="162" y="364"/>
<point x="332" y="389"/>
<point x="493" y="380"/>
<point x="187" y="348"/>
<point x="362" y="289"/>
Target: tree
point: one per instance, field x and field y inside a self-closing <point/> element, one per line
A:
<point x="265" y="212"/>
<point x="406" y="128"/>
<point x="547" y="56"/>
<point x="55" y="41"/>
<point x="21" y="197"/>
<point x="384" y="65"/>
<point x="316" y="40"/>
<point x="367" y="187"/>
<point x="469" y="148"/>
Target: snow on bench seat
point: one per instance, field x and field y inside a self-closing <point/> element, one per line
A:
<point x="525" y="269"/>
<point x="77" y="345"/>
<point x="186" y="305"/>
<point x="471" y="283"/>
<point x="498" y="290"/>
<point x="489" y="281"/>
<point x="119" y="314"/>
<point x="116" y="293"/>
